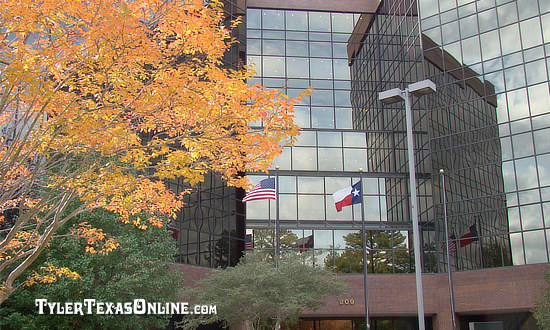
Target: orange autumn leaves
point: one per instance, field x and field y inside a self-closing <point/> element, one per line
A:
<point x="101" y="99"/>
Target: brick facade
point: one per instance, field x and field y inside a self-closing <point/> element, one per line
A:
<point x="486" y="291"/>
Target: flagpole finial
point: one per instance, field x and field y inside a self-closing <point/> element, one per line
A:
<point x="361" y="169"/>
<point x="441" y="171"/>
<point x="277" y="167"/>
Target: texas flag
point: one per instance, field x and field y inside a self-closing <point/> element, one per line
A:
<point x="347" y="196"/>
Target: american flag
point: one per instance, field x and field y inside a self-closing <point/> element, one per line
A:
<point x="452" y="244"/>
<point x="264" y="189"/>
<point x="249" y="246"/>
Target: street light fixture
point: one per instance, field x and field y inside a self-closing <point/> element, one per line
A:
<point x="393" y="96"/>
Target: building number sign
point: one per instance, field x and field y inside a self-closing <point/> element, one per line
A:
<point x="346" y="302"/>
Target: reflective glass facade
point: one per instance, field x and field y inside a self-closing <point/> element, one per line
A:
<point x="486" y="126"/>
<point x="292" y="50"/>
<point x="210" y="229"/>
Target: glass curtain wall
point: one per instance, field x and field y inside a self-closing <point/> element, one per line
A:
<point x="292" y="50"/>
<point x="502" y="48"/>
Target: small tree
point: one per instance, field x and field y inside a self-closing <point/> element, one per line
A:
<point x="261" y="295"/>
<point x="542" y="308"/>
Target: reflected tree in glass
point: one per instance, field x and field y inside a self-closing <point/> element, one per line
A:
<point x="384" y="255"/>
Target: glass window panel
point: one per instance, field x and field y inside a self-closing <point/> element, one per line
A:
<point x="449" y="32"/>
<point x="274" y="66"/>
<point x="490" y="46"/>
<point x="289" y="211"/>
<point x="273" y="34"/>
<point x="517" y="104"/>
<point x="322" y="97"/>
<point x="514" y="77"/>
<point x="527" y="8"/>
<point x="428" y="7"/>
<point x="507" y="14"/>
<point x="319" y="21"/>
<point x="330" y="139"/>
<point x="535" y="247"/>
<point x="536" y="72"/>
<point x="542" y="141"/>
<point x="370" y="186"/>
<point x="291" y="92"/>
<point x="539" y="99"/>
<point x="516" y="243"/>
<point x="257" y="210"/>
<point x="319" y="36"/>
<point x="543" y="165"/>
<point x="512" y="199"/>
<point x="513" y="219"/>
<point x="434" y="34"/>
<point x="323" y="239"/>
<point x="332" y="214"/>
<point x="545" y="195"/>
<point x="304" y="159"/>
<point x="253" y="46"/>
<point x="283" y="160"/>
<point x="273" y="47"/>
<point x="273" y="19"/>
<point x="530" y="196"/>
<point x="330" y="159"/>
<point x="322" y="84"/>
<point x="372" y="208"/>
<point x="322" y="117"/>
<point x="355" y="139"/>
<point x="296" y="20"/>
<point x="253" y="18"/>
<point x="546" y="213"/>
<point x="340" y="50"/>
<point x="506" y="147"/>
<point x="531" y="216"/>
<point x="509" y="176"/>
<point x="287" y="184"/>
<point x="342" y="22"/>
<point x="523" y="145"/>
<point x="297" y="67"/>
<point x="301" y="117"/>
<point x="354" y="159"/>
<point x="545" y="19"/>
<point x="321" y="68"/>
<point x="297" y="35"/>
<point x="526" y="173"/>
<point x="341" y="70"/>
<point x="255" y="63"/>
<point x="530" y="33"/>
<point x="342" y="98"/>
<point x="509" y="39"/>
<point x="311" y="207"/>
<point x="468" y="26"/>
<point x="520" y="126"/>
<point x="471" y="53"/>
<point x="297" y="48"/>
<point x="487" y="20"/>
<point x="306" y="138"/>
<point x="320" y="49"/>
<point x="541" y="121"/>
<point x="311" y="185"/>
<point x="497" y="79"/>
<point x="343" y="118"/>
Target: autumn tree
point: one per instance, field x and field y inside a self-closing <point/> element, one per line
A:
<point x="102" y="100"/>
<point x="387" y="253"/>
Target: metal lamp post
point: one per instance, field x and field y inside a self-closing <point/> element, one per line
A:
<point x="397" y="95"/>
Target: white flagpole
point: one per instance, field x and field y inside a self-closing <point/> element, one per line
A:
<point x="449" y="271"/>
<point x="366" y="289"/>
<point x="277" y="240"/>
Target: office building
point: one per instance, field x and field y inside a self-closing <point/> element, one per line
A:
<point x="486" y="126"/>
